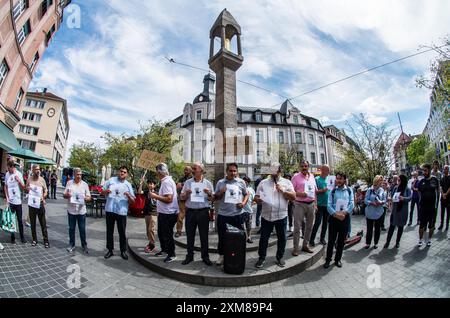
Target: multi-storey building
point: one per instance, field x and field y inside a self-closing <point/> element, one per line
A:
<point x="26" y="29"/>
<point x="44" y="127"/>
<point x="437" y="128"/>
<point x="268" y="131"/>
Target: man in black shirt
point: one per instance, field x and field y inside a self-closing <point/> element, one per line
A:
<point x="429" y="197"/>
<point x="445" y="198"/>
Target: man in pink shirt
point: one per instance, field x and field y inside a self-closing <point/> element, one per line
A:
<point x="304" y="206"/>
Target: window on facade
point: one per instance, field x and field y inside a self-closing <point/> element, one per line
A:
<point x="199" y="115"/>
<point x="19" y="8"/>
<point x="298" y="137"/>
<point x="320" y="141"/>
<point x="313" y="158"/>
<point x="259" y="136"/>
<point x="280" y="137"/>
<point x="49" y="35"/>
<point x="296" y="119"/>
<point x="258" y="116"/>
<point x="278" y="118"/>
<point x="24" y="32"/>
<point x="322" y="159"/>
<point x="45" y="5"/>
<point x="4" y="70"/>
<point x="35" y="104"/>
<point x="35" y="60"/>
<point x="27" y="144"/>
<point x="311" y="139"/>
<point x="18" y="99"/>
<point x="198" y="155"/>
<point x="28" y="130"/>
<point x="259" y="156"/>
<point x="300" y="155"/>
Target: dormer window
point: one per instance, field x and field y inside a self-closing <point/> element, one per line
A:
<point x="258" y="116"/>
<point x="199" y="115"/>
<point x="239" y="116"/>
<point x="296" y="119"/>
<point x="278" y="118"/>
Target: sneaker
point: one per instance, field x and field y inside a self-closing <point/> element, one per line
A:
<point x="428" y="243"/>
<point x="27" y="224"/>
<point x="249" y="241"/>
<point x="1" y="247"/>
<point x="47" y="245"/>
<point x="397" y="245"/>
<point x="410" y="223"/>
<point x="420" y="243"/>
<point x="260" y="263"/>
<point x="170" y="259"/>
<point x="70" y="249"/>
<point x="147" y="249"/>
<point x="386" y="245"/>
<point x="219" y="260"/>
<point x="160" y="253"/>
<point x="375" y="247"/>
<point x="326" y="265"/>
<point x="34" y="243"/>
<point x="440" y="227"/>
<point x="281" y="262"/>
<point x="24" y="241"/>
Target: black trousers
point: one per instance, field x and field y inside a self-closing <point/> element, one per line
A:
<point x="414" y="203"/>
<point x="445" y="205"/>
<point x="40" y="213"/>
<point x="391" y="233"/>
<point x="111" y="219"/>
<point x="18" y="210"/>
<point x="166" y="222"/>
<point x="197" y="218"/>
<point x="321" y="217"/>
<point x="53" y="191"/>
<point x="290" y="213"/>
<point x="370" y="225"/>
<point x="337" y="231"/>
<point x="235" y="220"/>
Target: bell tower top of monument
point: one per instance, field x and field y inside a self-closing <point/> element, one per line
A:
<point x="223" y="20"/>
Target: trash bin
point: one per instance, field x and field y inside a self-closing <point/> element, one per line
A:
<point x="234" y="250"/>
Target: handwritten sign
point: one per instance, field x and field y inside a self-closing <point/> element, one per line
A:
<point x="150" y="159"/>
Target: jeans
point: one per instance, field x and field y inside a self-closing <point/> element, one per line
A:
<point x="322" y="214"/>
<point x="414" y="202"/>
<point x="111" y="219"/>
<point x="18" y="210"/>
<point x="266" y="230"/>
<point x="197" y="218"/>
<point x="53" y="191"/>
<point x="73" y="219"/>
<point x="222" y="221"/>
<point x="40" y="213"/>
<point x="370" y="226"/>
<point x="166" y="222"/>
<point x="338" y="231"/>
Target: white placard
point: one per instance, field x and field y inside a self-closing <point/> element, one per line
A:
<point x="233" y="194"/>
<point x="198" y="194"/>
<point x="310" y="189"/>
<point x="13" y="192"/>
<point x="331" y="181"/>
<point x="77" y="198"/>
<point x="396" y="197"/>
<point x="118" y="191"/>
<point x="341" y="205"/>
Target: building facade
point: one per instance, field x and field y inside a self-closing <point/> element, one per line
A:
<point x="26" y="29"/>
<point x="400" y="156"/>
<point x="44" y="126"/>
<point x="261" y="133"/>
<point x="437" y="128"/>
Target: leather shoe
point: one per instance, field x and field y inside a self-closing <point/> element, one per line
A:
<point x="109" y="254"/>
<point x="187" y="260"/>
<point x="207" y="261"/>
<point x="326" y="265"/>
<point x="124" y="255"/>
<point x="307" y="249"/>
<point x="338" y="264"/>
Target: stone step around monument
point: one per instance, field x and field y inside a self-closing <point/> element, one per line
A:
<point x="199" y="273"/>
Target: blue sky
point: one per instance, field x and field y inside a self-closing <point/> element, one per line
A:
<point x="113" y="70"/>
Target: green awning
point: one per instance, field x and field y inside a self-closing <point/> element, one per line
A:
<point x="25" y="154"/>
<point x="44" y="161"/>
<point x="7" y="139"/>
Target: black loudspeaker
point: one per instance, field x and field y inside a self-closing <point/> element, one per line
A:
<point x="234" y="250"/>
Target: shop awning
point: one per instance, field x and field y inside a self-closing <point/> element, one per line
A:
<point x="7" y="139"/>
<point x="44" y="161"/>
<point x="25" y="154"/>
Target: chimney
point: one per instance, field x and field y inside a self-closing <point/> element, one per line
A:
<point x="45" y="90"/>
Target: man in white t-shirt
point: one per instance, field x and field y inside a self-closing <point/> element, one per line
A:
<point x="13" y="186"/>
<point x="77" y="194"/>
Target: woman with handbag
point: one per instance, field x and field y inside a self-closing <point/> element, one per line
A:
<point x="37" y="192"/>
<point x="399" y="214"/>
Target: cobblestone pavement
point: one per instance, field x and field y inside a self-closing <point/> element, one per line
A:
<point x="27" y="271"/>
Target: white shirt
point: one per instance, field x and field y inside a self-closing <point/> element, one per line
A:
<point x="168" y="186"/>
<point x="83" y="188"/>
<point x="275" y="205"/>
<point x="14" y="193"/>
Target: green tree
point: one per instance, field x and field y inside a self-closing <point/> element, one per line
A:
<point x="289" y="160"/>
<point x="369" y="153"/>
<point x="416" y="151"/>
<point x="86" y="156"/>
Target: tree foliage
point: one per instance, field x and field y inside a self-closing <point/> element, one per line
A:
<point x="416" y="151"/>
<point x="85" y="156"/>
<point x="370" y="155"/>
<point x="289" y="160"/>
